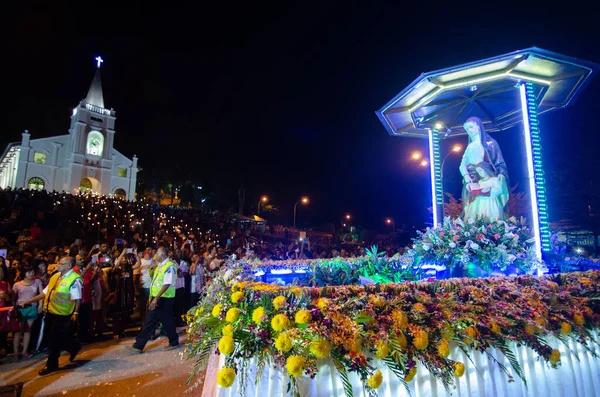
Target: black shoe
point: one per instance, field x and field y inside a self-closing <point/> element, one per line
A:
<point x="171" y="347"/>
<point x="46" y="370"/>
<point x="74" y="353"/>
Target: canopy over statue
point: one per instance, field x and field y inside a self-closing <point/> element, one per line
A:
<point x="490" y="95"/>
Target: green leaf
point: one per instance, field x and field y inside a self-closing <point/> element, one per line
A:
<point x="344" y="376"/>
<point x="303" y="326"/>
<point x="362" y="318"/>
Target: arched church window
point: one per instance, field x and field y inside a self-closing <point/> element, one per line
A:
<point x="35" y="183"/>
<point x="95" y="143"/>
<point x="85" y="186"/>
<point x="120" y="194"/>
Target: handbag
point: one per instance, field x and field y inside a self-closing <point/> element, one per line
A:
<point x="9" y="319"/>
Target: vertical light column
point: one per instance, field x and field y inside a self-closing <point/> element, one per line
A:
<point x="437" y="202"/>
<point x="535" y="170"/>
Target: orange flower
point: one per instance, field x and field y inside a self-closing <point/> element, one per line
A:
<point x="579" y="319"/>
<point x="495" y="328"/>
<point x="471" y="333"/>
<point x="554" y="356"/>
<point x="400" y="319"/>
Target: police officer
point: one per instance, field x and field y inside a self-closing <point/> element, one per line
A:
<point x="162" y="298"/>
<point x="62" y="298"/>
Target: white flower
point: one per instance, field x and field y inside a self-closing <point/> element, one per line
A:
<point x="426" y="247"/>
<point x="452" y="245"/>
<point x="511" y="258"/>
<point x="474" y="246"/>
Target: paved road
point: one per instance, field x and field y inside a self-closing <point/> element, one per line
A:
<point x="106" y="369"/>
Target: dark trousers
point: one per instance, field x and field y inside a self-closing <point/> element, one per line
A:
<point x="180" y="306"/>
<point x="86" y="331"/>
<point x="62" y="337"/>
<point x="164" y="314"/>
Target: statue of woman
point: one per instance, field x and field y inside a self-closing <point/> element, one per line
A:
<point x="482" y="149"/>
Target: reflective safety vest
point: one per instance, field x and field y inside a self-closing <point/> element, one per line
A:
<point x="158" y="281"/>
<point x="58" y="299"/>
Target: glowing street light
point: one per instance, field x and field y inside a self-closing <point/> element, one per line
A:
<point x="262" y="200"/>
<point x="424" y="163"/>
<point x="304" y="200"/>
<point x="416" y="155"/>
<point x="439" y="126"/>
<point x="390" y="221"/>
<point x="456" y="148"/>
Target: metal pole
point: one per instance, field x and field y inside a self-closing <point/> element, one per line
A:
<point x="295" y="205"/>
<point x="258" y="211"/>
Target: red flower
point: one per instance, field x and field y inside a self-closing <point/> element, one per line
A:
<point x="442" y="234"/>
<point x="497" y="236"/>
<point x="480" y="236"/>
<point x="456" y="238"/>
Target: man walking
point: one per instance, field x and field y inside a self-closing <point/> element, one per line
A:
<point x="62" y="299"/>
<point x="162" y="298"/>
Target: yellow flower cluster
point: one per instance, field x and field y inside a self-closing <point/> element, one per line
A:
<point x="302" y="317"/>
<point x="280" y="322"/>
<point x="232" y="314"/>
<point x="377" y="300"/>
<point x="320" y="348"/>
<point x="353" y="345"/>
<point x="443" y="349"/>
<point x="225" y="377"/>
<point x="296" y="291"/>
<point x="322" y="303"/>
<point x="400" y="320"/>
<point x="579" y="319"/>
<point x="227" y="330"/>
<point x="226" y="345"/>
<point x="258" y="314"/>
<point x="295" y="365"/>
<point x="375" y="380"/>
<point x="565" y="328"/>
<point x="216" y="311"/>
<point x="283" y="343"/>
<point x="459" y="369"/>
<point x="237" y="296"/>
<point x="239" y="286"/>
<point x="421" y="340"/>
<point x="410" y="375"/>
<point x="382" y="350"/>
<point x="471" y="333"/>
<point x="279" y="302"/>
<point x="495" y="328"/>
<point x="554" y="356"/>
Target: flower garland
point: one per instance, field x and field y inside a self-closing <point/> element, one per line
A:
<point x="399" y="324"/>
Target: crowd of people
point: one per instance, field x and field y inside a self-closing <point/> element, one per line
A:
<point x="113" y="250"/>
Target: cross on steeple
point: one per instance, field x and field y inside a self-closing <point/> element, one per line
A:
<point x="99" y="60"/>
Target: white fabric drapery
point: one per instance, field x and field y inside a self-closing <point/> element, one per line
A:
<point x="482" y="378"/>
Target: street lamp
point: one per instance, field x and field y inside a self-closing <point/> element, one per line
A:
<point x="262" y="200"/>
<point x="416" y="155"/>
<point x="390" y="221"/>
<point x="303" y="200"/>
<point x="424" y="163"/>
<point x="455" y="149"/>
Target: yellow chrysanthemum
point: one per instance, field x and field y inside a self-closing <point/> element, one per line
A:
<point x="530" y="329"/>
<point x="443" y="349"/>
<point x="232" y="314"/>
<point x="377" y="300"/>
<point x="565" y="328"/>
<point x="495" y="328"/>
<point x="382" y="350"/>
<point x="402" y="340"/>
<point x="554" y="356"/>
<point x="216" y="311"/>
<point x="296" y="291"/>
<point x="411" y="374"/>
<point x="258" y="314"/>
<point x="322" y="303"/>
<point x="302" y="317"/>
<point x="236" y="287"/>
<point x="471" y="333"/>
<point x="459" y="369"/>
<point x="400" y="319"/>
<point x="579" y="319"/>
<point x="225" y="377"/>
<point x="226" y="345"/>
<point x="279" y="302"/>
<point x="447" y="333"/>
<point x="295" y="365"/>
<point x="375" y="380"/>
<point x="283" y="343"/>
<point x="280" y="322"/>
<point x="320" y="348"/>
<point x="237" y="296"/>
<point x="227" y="330"/>
<point x="421" y="340"/>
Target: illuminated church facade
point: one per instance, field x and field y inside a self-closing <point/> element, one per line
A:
<point x="83" y="161"/>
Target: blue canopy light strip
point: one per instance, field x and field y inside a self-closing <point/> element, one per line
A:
<point x="535" y="171"/>
<point x="436" y="177"/>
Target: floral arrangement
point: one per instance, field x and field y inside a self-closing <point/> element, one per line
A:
<point x="488" y="246"/>
<point x="362" y="328"/>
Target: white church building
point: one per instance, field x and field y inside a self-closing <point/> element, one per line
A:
<point x="82" y="161"/>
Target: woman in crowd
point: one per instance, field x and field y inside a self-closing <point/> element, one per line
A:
<point x="24" y="290"/>
<point x="120" y="281"/>
<point x="196" y="279"/>
<point x="6" y="298"/>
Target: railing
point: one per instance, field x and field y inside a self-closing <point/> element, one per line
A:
<point x="97" y="109"/>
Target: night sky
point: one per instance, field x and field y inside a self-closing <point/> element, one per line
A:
<point x="280" y="98"/>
